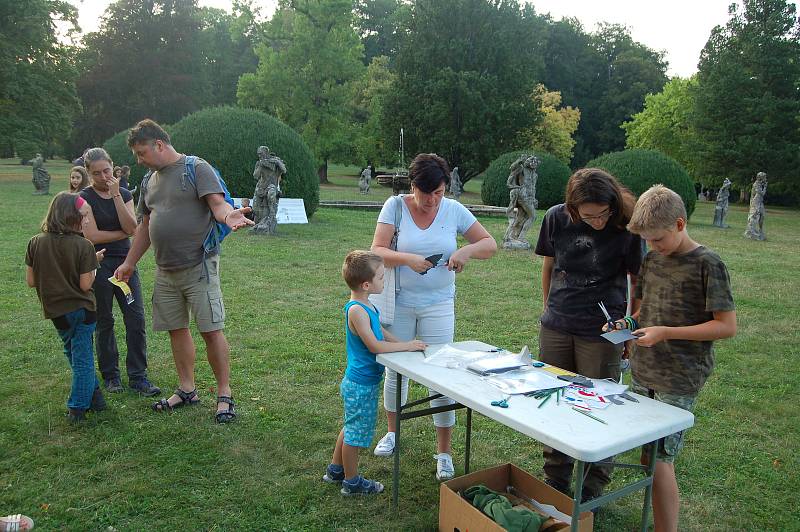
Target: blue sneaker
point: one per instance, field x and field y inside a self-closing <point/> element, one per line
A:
<point x="144" y="387"/>
<point x="361" y="486"/>
<point x="334" y="474"/>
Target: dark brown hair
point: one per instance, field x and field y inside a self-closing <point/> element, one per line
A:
<point x="84" y="178"/>
<point x="359" y="267"/>
<point x="147" y="131"/>
<point x="62" y="216"/>
<point x="593" y="185"/>
<point x="428" y="171"/>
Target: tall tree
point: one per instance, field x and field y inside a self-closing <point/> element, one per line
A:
<point x="369" y="98"/>
<point x="465" y="70"/>
<point x="747" y="100"/>
<point x="145" y="61"/>
<point x="665" y="124"/>
<point x="306" y="75"/>
<point x="37" y="77"/>
<point x="378" y="23"/>
<point x="607" y="75"/>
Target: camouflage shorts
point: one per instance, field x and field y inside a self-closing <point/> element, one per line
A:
<point x="670" y="446"/>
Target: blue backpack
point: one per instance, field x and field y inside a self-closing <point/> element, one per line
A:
<point x="219" y="230"/>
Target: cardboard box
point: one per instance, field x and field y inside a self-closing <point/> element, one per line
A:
<point x="456" y="514"/>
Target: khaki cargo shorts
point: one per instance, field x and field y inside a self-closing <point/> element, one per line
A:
<point x="196" y="291"/>
<point x="670" y="446"/>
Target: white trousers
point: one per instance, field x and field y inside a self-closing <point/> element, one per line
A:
<point x="434" y="324"/>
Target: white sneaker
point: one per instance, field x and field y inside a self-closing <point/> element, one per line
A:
<point x="444" y="466"/>
<point x="385" y="447"/>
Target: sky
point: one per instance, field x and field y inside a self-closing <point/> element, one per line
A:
<point x="680" y="30"/>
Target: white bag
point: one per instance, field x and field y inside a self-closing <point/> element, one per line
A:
<point x="384" y="301"/>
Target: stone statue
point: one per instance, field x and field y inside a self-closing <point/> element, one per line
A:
<point x="755" y="220"/>
<point x="456" y="186"/>
<point x="521" y="209"/>
<point x="721" y="209"/>
<point x="363" y="181"/>
<point x="268" y="172"/>
<point x="41" y="178"/>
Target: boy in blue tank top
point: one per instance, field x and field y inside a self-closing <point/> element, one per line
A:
<point x="361" y="385"/>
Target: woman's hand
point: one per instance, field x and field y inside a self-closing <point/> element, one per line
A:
<point x="113" y="186"/>
<point x="418" y="263"/>
<point x="458" y="260"/>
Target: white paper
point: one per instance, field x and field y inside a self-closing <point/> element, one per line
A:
<point x="524" y="380"/>
<point x="605" y="387"/>
<point x="448" y="356"/>
<point x="617" y="337"/>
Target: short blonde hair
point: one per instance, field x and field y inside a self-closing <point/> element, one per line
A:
<point x="359" y="267"/>
<point x="657" y="209"/>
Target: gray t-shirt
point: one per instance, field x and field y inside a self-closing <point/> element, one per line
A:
<point x="180" y="218"/>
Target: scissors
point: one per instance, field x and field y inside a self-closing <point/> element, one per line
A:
<point x="503" y="403"/>
<point x="433" y="259"/>
<point x="611" y="325"/>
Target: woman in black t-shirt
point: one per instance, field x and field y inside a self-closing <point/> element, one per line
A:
<point x="110" y="222"/>
<point x="588" y="255"/>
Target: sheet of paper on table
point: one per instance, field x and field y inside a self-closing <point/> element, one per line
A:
<point x="524" y="380"/>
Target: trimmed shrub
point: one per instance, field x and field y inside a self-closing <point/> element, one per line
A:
<point x="550" y="185"/>
<point x="640" y="169"/>
<point x="228" y="137"/>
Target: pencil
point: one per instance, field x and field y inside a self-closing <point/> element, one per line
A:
<point x="589" y="415"/>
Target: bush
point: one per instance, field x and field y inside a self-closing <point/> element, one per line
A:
<point x="550" y="186"/>
<point x="228" y="137"/>
<point x="640" y="169"/>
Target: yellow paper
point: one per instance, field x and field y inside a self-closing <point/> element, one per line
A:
<point x="557" y="371"/>
<point x="124" y="287"/>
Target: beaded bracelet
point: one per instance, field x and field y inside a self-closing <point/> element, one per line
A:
<point x="631" y="323"/>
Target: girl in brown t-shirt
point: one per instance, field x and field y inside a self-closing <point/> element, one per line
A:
<point x="61" y="266"/>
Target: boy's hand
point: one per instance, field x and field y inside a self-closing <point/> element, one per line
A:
<point x="416" y="345"/>
<point x="100" y="255"/>
<point x="650" y="336"/>
<point x="618" y="326"/>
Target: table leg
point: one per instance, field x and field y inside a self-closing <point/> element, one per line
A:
<point x="648" y="491"/>
<point x="469" y="439"/>
<point x="398" y="412"/>
<point x="576" y="499"/>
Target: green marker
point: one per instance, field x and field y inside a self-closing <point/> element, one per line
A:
<point x="585" y="413"/>
<point x="545" y="400"/>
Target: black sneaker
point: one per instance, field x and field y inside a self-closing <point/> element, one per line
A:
<point x="144" y="387"/>
<point x="113" y="385"/>
<point x="98" y="401"/>
<point x="76" y="415"/>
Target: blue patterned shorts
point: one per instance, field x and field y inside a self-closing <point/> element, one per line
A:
<point x="360" y="412"/>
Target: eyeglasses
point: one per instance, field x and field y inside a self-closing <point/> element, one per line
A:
<point x="602" y="216"/>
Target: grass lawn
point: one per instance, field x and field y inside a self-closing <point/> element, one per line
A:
<point x="132" y="469"/>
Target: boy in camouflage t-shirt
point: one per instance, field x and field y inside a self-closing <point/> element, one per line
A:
<point x="686" y="304"/>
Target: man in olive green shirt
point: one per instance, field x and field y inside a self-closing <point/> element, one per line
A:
<point x="176" y="215"/>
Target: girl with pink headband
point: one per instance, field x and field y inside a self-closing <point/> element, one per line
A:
<point x="61" y="266"/>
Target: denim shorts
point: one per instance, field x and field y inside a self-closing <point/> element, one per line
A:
<point x="360" y="412"/>
<point x="670" y="446"/>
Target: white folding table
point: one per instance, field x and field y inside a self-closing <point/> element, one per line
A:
<point x="555" y="425"/>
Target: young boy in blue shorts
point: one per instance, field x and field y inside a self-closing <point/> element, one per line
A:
<point x="686" y="304"/>
<point x="361" y="385"/>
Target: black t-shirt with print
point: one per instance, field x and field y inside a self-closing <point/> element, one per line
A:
<point x="590" y="266"/>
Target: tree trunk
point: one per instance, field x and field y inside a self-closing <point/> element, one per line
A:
<point x="322" y="172"/>
<point x="744" y="196"/>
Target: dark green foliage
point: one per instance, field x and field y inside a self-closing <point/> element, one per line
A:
<point x="228" y="137"/>
<point x="465" y="72"/>
<point x="640" y="169"/>
<point x="550" y="186"/>
<point x="606" y="75"/>
<point x="747" y="106"/>
<point x="37" y="77"/>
